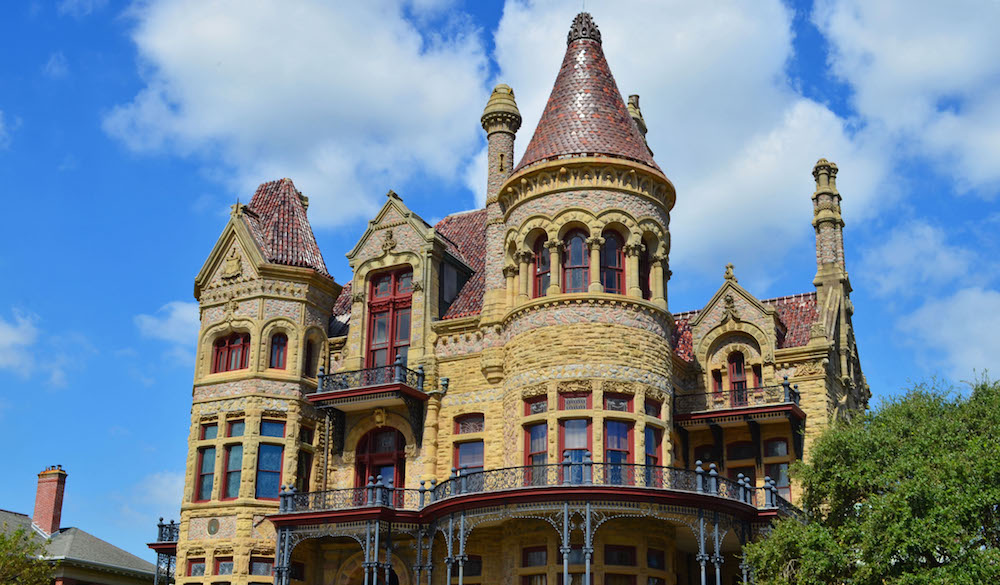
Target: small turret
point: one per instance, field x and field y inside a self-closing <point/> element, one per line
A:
<point x="827" y="221"/>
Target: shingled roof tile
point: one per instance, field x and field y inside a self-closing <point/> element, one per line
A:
<point x="276" y="216"/>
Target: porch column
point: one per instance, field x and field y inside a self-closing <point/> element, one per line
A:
<point x="717" y="557"/>
<point x="588" y="546"/>
<point x="701" y="557"/>
<point x="555" y="267"/>
<point x="595" y="243"/>
<point x="461" y="549"/>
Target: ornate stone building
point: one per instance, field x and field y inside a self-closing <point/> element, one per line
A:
<point x="505" y="396"/>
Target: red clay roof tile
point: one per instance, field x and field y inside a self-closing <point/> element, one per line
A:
<point x="276" y="216"/>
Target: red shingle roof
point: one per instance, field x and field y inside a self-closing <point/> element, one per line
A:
<point x="276" y="216"/>
<point x="585" y="114"/>
<point x="468" y="233"/>
<point x="342" y="306"/>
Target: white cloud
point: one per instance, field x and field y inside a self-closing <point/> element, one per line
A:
<point x="725" y="124"/>
<point x="346" y="98"/>
<point x="914" y="257"/>
<point x="958" y="332"/>
<point x="57" y="66"/>
<point x="176" y="322"/>
<point x="17" y="337"/>
<point x="80" y="8"/>
<point x="155" y="495"/>
<point x="925" y="72"/>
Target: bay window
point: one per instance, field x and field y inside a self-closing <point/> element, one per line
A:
<point x="576" y="263"/>
<point x="613" y="263"/>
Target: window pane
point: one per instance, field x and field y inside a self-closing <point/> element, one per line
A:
<point x="576" y="434"/>
<point x="652" y="408"/>
<point x="382" y="285"/>
<point x="208" y="460"/>
<point x="535" y="557"/>
<point x="236" y="428"/>
<point x="617" y="435"/>
<point x="470" y="454"/>
<point x="271" y="428"/>
<point x="235" y="460"/>
<point x="260" y="567"/>
<point x="741" y="451"/>
<point x="386" y="441"/>
<point x="655" y="559"/>
<point x="205" y="487"/>
<point x="269" y="458"/>
<point x="779" y="473"/>
<point x="574" y="402"/>
<point x="267" y="484"/>
<point x="577" y="251"/>
<point x="619" y="555"/>
<point x="538" y="406"/>
<point x="379" y="358"/>
<point x="381" y="329"/>
<point x="776" y="448"/>
<point x="404" y="283"/>
<point x="232" y="484"/>
<point x="616" y="403"/>
<point x="224" y="567"/>
<point x="403" y="325"/>
<point x="538" y="438"/>
<point x="196" y="568"/>
<point x="652" y="441"/>
<point x="473" y="423"/>
<point x="209" y="431"/>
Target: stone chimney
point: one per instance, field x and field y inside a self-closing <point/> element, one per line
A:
<point x="49" y="499"/>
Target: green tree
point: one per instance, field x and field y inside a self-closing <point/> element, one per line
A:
<point x="20" y="559"/>
<point x="908" y="494"/>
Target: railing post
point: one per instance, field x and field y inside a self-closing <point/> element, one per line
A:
<point x="464" y="480"/>
<point x="787" y="388"/>
<point x="434" y="484"/>
<point x="370" y="491"/>
<point x="768" y="494"/>
<point x="282" y="500"/>
<point x="390" y="493"/>
<point x="423" y="492"/>
<point x="420" y="377"/>
<point x="588" y="468"/>
<point x="740" y="488"/>
<point x="699" y="484"/>
<point x="713" y="479"/>
<point x="379" y="486"/>
<point x="795" y="394"/>
<point x="398" y="374"/>
<point x="565" y="467"/>
<point x="159" y="529"/>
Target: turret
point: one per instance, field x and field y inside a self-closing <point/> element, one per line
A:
<point x="829" y="225"/>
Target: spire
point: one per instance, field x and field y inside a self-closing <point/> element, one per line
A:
<point x="585" y="114"/>
<point x="277" y="220"/>
<point x="827" y="220"/>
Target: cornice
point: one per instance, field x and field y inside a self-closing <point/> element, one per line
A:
<point x="593" y="299"/>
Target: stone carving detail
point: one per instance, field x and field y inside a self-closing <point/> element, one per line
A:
<point x="574" y="386"/>
<point x="617" y="387"/>
<point x="389" y="242"/>
<point x="729" y="311"/>
<point x="225" y="527"/>
<point x="729" y="273"/>
<point x="583" y="28"/>
<point x="232" y="266"/>
<point x="378" y="415"/>
<point x="358" y="297"/>
<point x="536" y="390"/>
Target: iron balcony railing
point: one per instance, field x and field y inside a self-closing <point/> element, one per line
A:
<point x="784" y="393"/>
<point x="379" y="493"/>
<point x="397" y="373"/>
<point x="168" y="532"/>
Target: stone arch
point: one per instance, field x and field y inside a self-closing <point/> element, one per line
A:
<point x="267" y="330"/>
<point x="532" y="236"/>
<point x="391" y="260"/>
<point x="620" y="221"/>
<point x="762" y="339"/>
<point x="351" y="570"/>
<point x="734" y="341"/>
<point x="391" y="420"/>
<point x="210" y="334"/>
<point x="531" y="223"/>
<point x="652" y="233"/>
<point x="318" y="337"/>
<point x="570" y="219"/>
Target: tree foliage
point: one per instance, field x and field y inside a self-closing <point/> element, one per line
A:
<point x="20" y="559"/>
<point x="908" y="494"/>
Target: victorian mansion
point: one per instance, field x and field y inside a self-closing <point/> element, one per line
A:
<point x="504" y="397"/>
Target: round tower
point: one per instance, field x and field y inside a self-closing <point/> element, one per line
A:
<point x="587" y="355"/>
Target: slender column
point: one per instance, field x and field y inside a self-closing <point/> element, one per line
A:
<point x="448" y="560"/>
<point x="420" y="553"/>
<point x="525" y="280"/>
<point x="565" y="549"/>
<point x="657" y="287"/>
<point x="461" y="549"/>
<point x="431" y="430"/>
<point x="555" y="266"/>
<point x="388" y="551"/>
<point x="595" y="244"/>
<point x="588" y="546"/>
<point x="510" y="274"/>
<point x="701" y="557"/>
<point x="368" y="544"/>
<point x="717" y="556"/>
<point x="378" y="530"/>
<point x="632" y="252"/>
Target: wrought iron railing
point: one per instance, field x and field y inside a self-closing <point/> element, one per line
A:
<point x="784" y="393"/>
<point x="586" y="473"/>
<point x="169" y="532"/>
<point x="397" y="373"/>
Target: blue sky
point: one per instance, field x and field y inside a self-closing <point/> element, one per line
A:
<point x="126" y="131"/>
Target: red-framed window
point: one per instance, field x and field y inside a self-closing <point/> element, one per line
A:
<point x="654" y="438"/>
<point x="469" y="457"/>
<point x="381" y="452"/>
<point x="652" y="407"/>
<point x="209" y="431"/>
<point x="223" y="566"/>
<point x="574" y="401"/>
<point x="621" y="555"/>
<point x="536" y="452"/>
<point x="303" y="471"/>
<point x="617" y="441"/>
<point x="576" y="263"/>
<point x="757" y="376"/>
<point x="389" y="317"/>
<point x="231" y="353"/>
<point x="536" y="405"/>
<point x="234" y="467"/>
<point x="534" y="556"/>
<point x="272" y="428"/>
<point x="776" y="448"/>
<point x="618" y="402"/>
<point x="269" y="461"/>
<point x="196" y="567"/>
<point x="279" y="351"/>
<point x="740" y="450"/>
<point x="778" y="472"/>
<point x="261" y="566"/>
<point x="540" y="269"/>
<point x="737" y="372"/>
<point x="645" y="272"/>
<point x="613" y="263"/>
<point x="574" y="438"/>
<point x="235" y="428"/>
<point x="470" y="423"/>
<point x="206" y="474"/>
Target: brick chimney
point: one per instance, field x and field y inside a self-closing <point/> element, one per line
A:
<point x="49" y="499"/>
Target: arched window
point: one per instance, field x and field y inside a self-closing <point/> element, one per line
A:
<point x="310" y="359"/>
<point x="231" y="353"/>
<point x="279" y="351"/>
<point x="738" y="379"/>
<point x="540" y="268"/>
<point x="381" y="452"/>
<point x="576" y="263"/>
<point x="645" y="269"/>
<point x="613" y="263"/>
<point x="389" y="317"/>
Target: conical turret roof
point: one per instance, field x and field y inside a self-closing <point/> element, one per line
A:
<point x="585" y="114"/>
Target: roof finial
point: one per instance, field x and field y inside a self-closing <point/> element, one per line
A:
<point x="729" y="272"/>
<point x="583" y="28"/>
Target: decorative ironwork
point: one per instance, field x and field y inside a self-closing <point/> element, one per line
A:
<point x="395" y="373"/>
<point x="574" y="403"/>
<point x="166" y="562"/>
<point x="737" y="398"/>
<point x="168" y="532"/>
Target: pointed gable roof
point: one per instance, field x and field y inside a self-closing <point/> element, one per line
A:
<point x="276" y="217"/>
<point x="467" y="231"/>
<point x="585" y="114"/>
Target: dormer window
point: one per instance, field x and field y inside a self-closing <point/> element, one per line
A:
<point x="389" y="317"/>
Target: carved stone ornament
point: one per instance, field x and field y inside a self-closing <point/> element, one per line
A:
<point x="417" y="287"/>
<point x="232" y="306"/>
<point x="232" y="265"/>
<point x="389" y="242"/>
<point x="378" y="415"/>
<point x="358" y="297"/>
<point x="729" y="311"/>
<point x="583" y="28"/>
<point x="729" y="273"/>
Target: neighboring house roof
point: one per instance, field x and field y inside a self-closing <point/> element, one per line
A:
<point x="276" y="217"/>
<point x="467" y="231"/>
<point x="76" y="546"/>
<point x="585" y="114"/>
<point x="796" y="312"/>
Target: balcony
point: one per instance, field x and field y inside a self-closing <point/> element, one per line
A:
<point x="165" y="546"/>
<point x="370" y="387"/>
<point x="740" y="405"/>
<point x="643" y="483"/>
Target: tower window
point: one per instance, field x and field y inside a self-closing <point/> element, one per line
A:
<point x="613" y="263"/>
<point x="279" y="350"/>
<point x="645" y="270"/>
<point x="269" y="471"/>
<point x="234" y="466"/>
<point x="206" y="474"/>
<point x="576" y="263"/>
<point x="231" y="353"/>
<point x="389" y="322"/>
<point x="540" y="268"/>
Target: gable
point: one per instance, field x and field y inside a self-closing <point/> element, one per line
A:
<point x="234" y="258"/>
